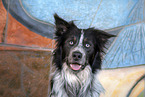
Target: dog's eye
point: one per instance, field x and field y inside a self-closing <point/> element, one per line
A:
<point x="71" y="43"/>
<point x="87" y="45"/>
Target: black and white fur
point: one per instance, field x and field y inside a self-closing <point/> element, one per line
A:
<point x="77" y="60"/>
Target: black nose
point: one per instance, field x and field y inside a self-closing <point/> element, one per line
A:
<point x="76" y="56"/>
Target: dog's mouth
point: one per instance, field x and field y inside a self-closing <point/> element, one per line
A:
<point x="75" y="67"/>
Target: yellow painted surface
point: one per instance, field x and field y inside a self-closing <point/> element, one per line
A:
<point x="118" y="82"/>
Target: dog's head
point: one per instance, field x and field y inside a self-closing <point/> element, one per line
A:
<point x="78" y="47"/>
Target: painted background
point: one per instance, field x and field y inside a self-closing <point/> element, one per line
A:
<point x="26" y="42"/>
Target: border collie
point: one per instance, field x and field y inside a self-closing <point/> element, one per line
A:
<point x="77" y="60"/>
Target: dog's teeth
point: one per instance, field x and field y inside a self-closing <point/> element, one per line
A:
<point x="75" y="66"/>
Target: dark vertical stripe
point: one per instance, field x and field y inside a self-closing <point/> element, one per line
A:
<point x="143" y="77"/>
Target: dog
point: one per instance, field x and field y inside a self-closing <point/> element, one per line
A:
<point x="77" y="60"/>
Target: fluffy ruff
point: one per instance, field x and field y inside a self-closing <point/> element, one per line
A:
<point x="82" y="84"/>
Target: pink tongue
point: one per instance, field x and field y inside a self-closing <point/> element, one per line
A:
<point x="75" y="66"/>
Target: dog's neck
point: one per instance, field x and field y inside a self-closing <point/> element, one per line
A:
<point x="80" y="77"/>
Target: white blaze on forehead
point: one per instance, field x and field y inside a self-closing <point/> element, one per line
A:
<point x="81" y="38"/>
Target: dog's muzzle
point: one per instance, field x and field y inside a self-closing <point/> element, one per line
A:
<point x="77" y="58"/>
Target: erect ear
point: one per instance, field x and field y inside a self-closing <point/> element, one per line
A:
<point x="104" y="36"/>
<point x="61" y="25"/>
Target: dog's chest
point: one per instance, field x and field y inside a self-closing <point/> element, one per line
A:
<point x="76" y="83"/>
<point x="82" y="84"/>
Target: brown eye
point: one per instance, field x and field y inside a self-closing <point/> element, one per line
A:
<point x="87" y="45"/>
<point x="71" y="43"/>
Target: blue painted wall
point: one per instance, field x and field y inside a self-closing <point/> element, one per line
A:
<point x="103" y="14"/>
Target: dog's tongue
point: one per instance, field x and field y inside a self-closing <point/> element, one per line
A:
<point x="75" y="66"/>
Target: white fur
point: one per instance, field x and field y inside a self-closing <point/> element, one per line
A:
<point x="81" y="38"/>
<point x="66" y="83"/>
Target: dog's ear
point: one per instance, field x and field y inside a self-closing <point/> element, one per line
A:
<point x="102" y="38"/>
<point x="61" y="25"/>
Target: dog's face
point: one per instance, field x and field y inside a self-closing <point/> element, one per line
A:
<point x="78" y="47"/>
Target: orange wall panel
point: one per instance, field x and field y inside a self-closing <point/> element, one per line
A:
<point x="3" y="14"/>
<point x="20" y="35"/>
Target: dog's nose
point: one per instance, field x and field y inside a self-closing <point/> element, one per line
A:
<point x="76" y="56"/>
